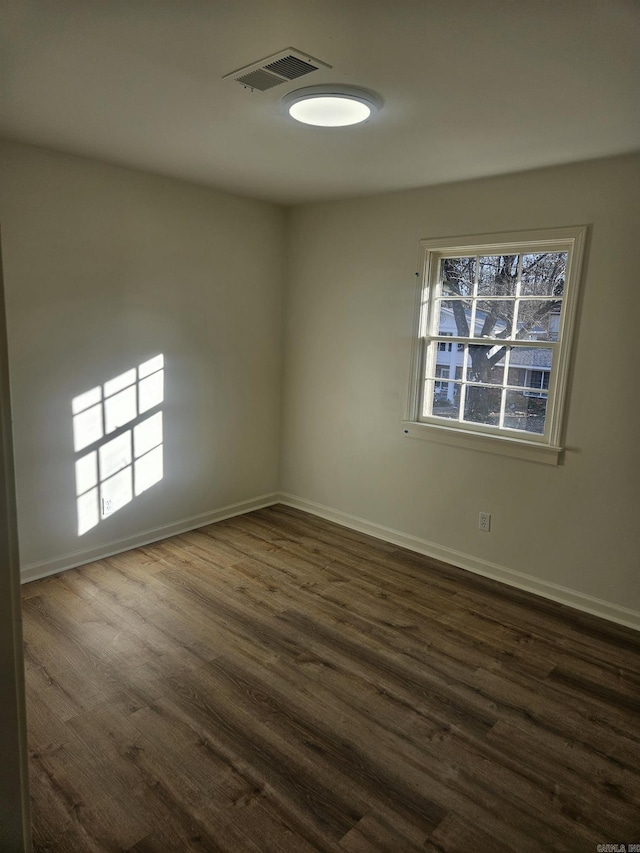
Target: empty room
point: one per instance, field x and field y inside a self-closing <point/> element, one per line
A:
<point x="320" y="419"/>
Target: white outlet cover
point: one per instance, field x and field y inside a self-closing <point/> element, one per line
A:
<point x="484" y="522"/>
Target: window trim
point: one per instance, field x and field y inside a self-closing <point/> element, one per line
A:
<point x="547" y="447"/>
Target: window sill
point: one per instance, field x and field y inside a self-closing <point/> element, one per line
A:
<point x="499" y="444"/>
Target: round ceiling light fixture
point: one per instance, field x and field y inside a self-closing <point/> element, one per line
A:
<point x="331" y="106"/>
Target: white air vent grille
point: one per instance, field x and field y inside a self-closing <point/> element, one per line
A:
<point x="289" y="64"/>
<point x="291" y="67"/>
<point x="259" y="80"/>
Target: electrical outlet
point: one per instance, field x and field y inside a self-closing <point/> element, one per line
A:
<point x="107" y="507"/>
<point x="484" y="522"/>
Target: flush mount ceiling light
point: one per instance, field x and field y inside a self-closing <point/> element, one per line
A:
<point x="331" y="106"/>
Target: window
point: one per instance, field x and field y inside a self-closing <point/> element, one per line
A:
<point x="507" y="302"/>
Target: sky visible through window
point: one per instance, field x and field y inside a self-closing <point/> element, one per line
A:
<point x="118" y="441"/>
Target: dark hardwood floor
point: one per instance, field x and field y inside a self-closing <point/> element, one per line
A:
<point x="276" y="682"/>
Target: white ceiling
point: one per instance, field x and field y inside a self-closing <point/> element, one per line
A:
<point x="471" y="87"/>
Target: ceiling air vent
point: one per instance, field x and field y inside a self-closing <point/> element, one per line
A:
<point x="289" y="64"/>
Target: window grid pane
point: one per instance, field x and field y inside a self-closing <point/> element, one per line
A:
<point x="490" y="406"/>
<point x="503" y="289"/>
<point x="453" y="391"/>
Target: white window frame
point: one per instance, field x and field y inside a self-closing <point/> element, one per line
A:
<point x="544" y="447"/>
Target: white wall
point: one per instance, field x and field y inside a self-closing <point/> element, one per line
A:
<point x="348" y="323"/>
<point x="104" y="268"/>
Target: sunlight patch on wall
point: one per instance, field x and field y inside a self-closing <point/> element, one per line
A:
<point x="120" y="444"/>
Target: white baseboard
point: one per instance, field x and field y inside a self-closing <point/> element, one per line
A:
<point x="35" y="571"/>
<point x="546" y="589"/>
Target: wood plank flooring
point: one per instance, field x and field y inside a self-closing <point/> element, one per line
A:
<point x="276" y="682"/>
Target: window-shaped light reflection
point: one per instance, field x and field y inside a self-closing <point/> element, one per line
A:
<point x="87" y="491"/>
<point x="151" y="366"/>
<point x="147" y="434"/>
<point x="119" y="382"/>
<point x="87" y="426"/>
<point x="151" y="391"/>
<point x="116" y="492"/>
<point x="86" y="473"/>
<point x="120" y="409"/>
<point x="151" y="383"/>
<point x="115" y="455"/>
<point x="88" y="512"/>
<point x="131" y="460"/>
<point x="148" y="470"/>
<point x="86" y="400"/>
<point x="147" y="449"/>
